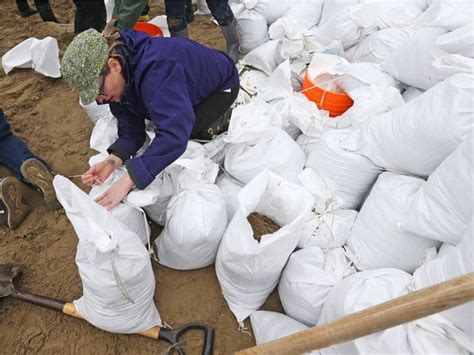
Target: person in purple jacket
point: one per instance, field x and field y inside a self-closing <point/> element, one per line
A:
<point x="183" y="87"/>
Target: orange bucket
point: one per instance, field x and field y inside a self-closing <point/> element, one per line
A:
<point x="151" y="29"/>
<point x="334" y="102"/>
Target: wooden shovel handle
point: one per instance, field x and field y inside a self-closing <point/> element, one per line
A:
<point x="419" y="304"/>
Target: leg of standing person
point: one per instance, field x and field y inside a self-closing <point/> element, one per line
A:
<point x="25" y="9"/>
<point x="45" y="11"/>
<point x="127" y="12"/>
<point x="223" y="14"/>
<point x="89" y="14"/>
<point x="176" y="18"/>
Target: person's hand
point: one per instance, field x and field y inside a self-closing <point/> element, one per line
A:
<point x="99" y="172"/>
<point x="116" y="193"/>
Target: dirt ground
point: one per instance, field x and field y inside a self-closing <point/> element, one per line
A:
<point x="46" y="114"/>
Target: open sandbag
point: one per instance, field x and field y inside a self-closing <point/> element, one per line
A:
<point x="352" y="174"/>
<point x="307" y="279"/>
<point x="248" y="270"/>
<point x="115" y="268"/>
<point x="376" y="240"/>
<point x="416" y="137"/>
<point x="442" y="208"/>
<point x="230" y="188"/>
<point x="429" y="335"/>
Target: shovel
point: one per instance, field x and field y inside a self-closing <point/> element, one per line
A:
<point x="8" y="273"/>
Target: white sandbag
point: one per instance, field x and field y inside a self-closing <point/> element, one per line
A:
<point x="268" y="326"/>
<point x="230" y="188"/>
<point x="416" y="137"/>
<point x="419" y="72"/>
<point x="265" y="57"/>
<point x="411" y="93"/>
<point x="162" y="189"/>
<point x="332" y="8"/>
<point x="441" y="210"/>
<point x="452" y="64"/>
<point x="251" y="80"/>
<point x="449" y="14"/>
<point x="375" y="240"/>
<point x="257" y="143"/>
<point x="105" y="131"/>
<point x="195" y="223"/>
<point x="96" y="111"/>
<point x="249" y="270"/>
<point x="456" y="261"/>
<point x="115" y="268"/>
<point x="253" y="31"/>
<point x="352" y="174"/>
<point x="460" y="41"/>
<point x="109" y="8"/>
<point x="307" y="279"/>
<point x="271" y="10"/>
<point x="202" y="8"/>
<point x="429" y="335"/>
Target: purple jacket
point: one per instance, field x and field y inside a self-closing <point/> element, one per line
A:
<point x="166" y="78"/>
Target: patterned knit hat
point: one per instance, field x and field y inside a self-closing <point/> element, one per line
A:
<point x="82" y="63"/>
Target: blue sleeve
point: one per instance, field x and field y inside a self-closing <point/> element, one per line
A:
<point x="131" y="133"/>
<point x="171" y="110"/>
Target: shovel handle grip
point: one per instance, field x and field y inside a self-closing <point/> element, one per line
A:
<point x="39" y="300"/>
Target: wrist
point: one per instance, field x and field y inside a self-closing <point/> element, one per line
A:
<point x="113" y="161"/>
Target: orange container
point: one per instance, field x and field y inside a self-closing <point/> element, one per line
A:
<point x="151" y="29"/>
<point x="334" y="102"/>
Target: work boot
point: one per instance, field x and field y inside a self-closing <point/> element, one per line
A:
<point x="13" y="208"/>
<point x="232" y="40"/>
<point x="46" y="13"/>
<point x="25" y="9"/>
<point x="39" y="175"/>
<point x="181" y="34"/>
<point x="189" y="11"/>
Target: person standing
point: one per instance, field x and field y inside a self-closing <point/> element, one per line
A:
<point x="220" y="9"/>
<point x="89" y="14"/>
<point x="42" y="7"/>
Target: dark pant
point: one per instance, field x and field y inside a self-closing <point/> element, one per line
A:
<point x="13" y="151"/>
<point x="176" y="13"/>
<point x="211" y="109"/>
<point x="89" y="14"/>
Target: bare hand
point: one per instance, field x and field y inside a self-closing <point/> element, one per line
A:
<point x="116" y="193"/>
<point x="99" y="172"/>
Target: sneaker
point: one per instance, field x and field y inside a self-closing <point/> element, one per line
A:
<point x="13" y="208"/>
<point x="38" y="174"/>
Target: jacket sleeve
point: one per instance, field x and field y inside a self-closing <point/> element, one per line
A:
<point x="128" y="12"/>
<point x="131" y="133"/>
<point x="171" y="111"/>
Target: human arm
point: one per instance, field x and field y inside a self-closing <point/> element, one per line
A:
<point x="116" y="193"/>
<point x="99" y="172"/>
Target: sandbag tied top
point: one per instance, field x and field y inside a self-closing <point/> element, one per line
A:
<point x="429" y="335"/>
<point x="442" y="208"/>
<point x="376" y="240"/>
<point x="114" y="265"/>
<point x="415" y="138"/>
<point x="249" y="270"/>
<point x="268" y="326"/>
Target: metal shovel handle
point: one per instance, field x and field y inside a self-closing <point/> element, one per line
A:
<point x="173" y="336"/>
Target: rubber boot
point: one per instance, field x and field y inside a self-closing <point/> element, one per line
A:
<point x="181" y="34"/>
<point x="232" y="40"/>
<point x="189" y="11"/>
<point x="46" y="13"/>
<point x="25" y="9"/>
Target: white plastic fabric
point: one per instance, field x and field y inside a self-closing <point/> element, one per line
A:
<point x="352" y="174"/>
<point x="450" y="14"/>
<point x="411" y="93"/>
<point x="419" y="72"/>
<point x="375" y="240"/>
<point x="95" y="111"/>
<point x="249" y="270"/>
<point x="416" y="137"/>
<point x="460" y="41"/>
<point x="456" y="261"/>
<point x="442" y="208"/>
<point x="40" y="54"/>
<point x="266" y="57"/>
<point x="268" y="326"/>
<point x="105" y="131"/>
<point x="253" y="31"/>
<point x="230" y="188"/>
<point x="271" y="10"/>
<point x="429" y="335"/>
<point x="114" y="265"/>
<point x="307" y="279"/>
<point x="202" y="8"/>
<point x="251" y="80"/>
<point x="109" y="8"/>
<point x="332" y="8"/>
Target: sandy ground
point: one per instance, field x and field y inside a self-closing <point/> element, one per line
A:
<point x="46" y="114"/>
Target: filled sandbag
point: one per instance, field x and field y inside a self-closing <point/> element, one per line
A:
<point x="416" y="137"/>
<point x="459" y="41"/>
<point x="268" y="326"/>
<point x="248" y="270"/>
<point x="268" y="9"/>
<point x="105" y="131"/>
<point x="375" y="239"/>
<point x="352" y="174"/>
<point x="253" y="31"/>
<point x="449" y="14"/>
<point x="411" y="93"/>
<point x="265" y="57"/>
<point x="230" y="188"/>
<point x="115" y="268"/>
<point x="442" y="208"/>
<point x="307" y="279"/>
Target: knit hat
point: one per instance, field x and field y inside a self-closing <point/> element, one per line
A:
<point x="82" y="63"/>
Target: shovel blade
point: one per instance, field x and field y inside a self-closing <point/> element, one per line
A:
<point x="8" y="272"/>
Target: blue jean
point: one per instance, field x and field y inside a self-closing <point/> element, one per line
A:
<point x="176" y="13"/>
<point x="13" y="151"/>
